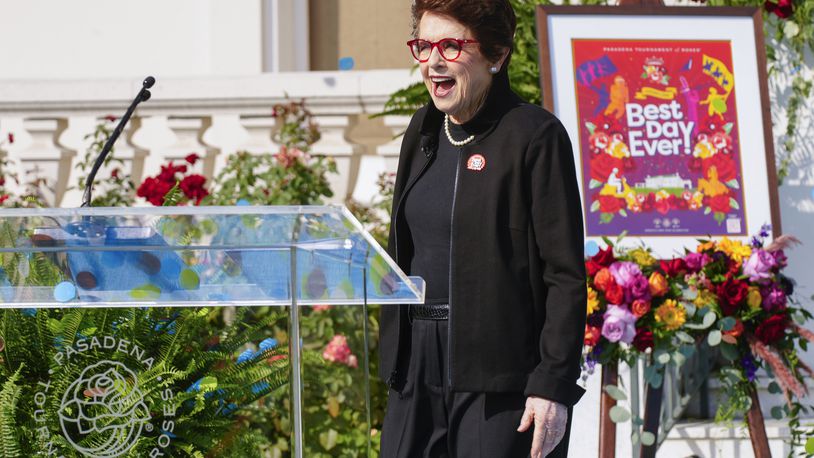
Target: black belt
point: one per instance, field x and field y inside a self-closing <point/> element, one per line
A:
<point x="429" y="312"/>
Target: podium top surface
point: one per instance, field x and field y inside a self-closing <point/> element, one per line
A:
<point x="195" y="256"/>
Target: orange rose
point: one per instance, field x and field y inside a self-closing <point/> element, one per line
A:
<point x="603" y="279"/>
<point x="736" y="330"/>
<point x="658" y="284"/>
<point x="640" y="308"/>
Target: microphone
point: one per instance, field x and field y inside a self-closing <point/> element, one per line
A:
<point x="142" y="96"/>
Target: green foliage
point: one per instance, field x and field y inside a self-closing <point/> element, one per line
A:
<point x="111" y="188"/>
<point x="292" y="176"/>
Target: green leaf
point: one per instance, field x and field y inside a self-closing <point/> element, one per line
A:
<point x="734" y="203"/>
<point x="729" y="351"/>
<point x="810" y="445"/>
<point x="648" y="438"/>
<point x="209" y="383"/>
<point x="662" y="357"/>
<point x="595" y="206"/>
<point x="714" y="338"/>
<point x="774" y="388"/>
<point x="709" y="319"/>
<point x="684" y="337"/>
<point x="623" y="212"/>
<point x="591" y="127"/>
<point x="727" y="324"/>
<point x="593" y="184"/>
<point x="728" y="127"/>
<point x="328" y="439"/>
<point x="679" y="359"/>
<point x="707" y="210"/>
<point x="615" y="392"/>
<point x="777" y="413"/>
<point x="619" y="414"/>
<point x="733" y="183"/>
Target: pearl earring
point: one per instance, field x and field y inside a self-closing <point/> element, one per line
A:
<point x="493" y="70"/>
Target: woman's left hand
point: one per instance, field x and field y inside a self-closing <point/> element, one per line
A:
<point x="549" y="420"/>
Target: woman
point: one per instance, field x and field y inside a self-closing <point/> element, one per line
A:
<point x="487" y="211"/>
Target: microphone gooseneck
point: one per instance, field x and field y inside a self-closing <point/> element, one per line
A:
<point x="142" y="96"/>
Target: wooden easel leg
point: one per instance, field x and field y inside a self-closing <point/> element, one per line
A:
<point x="757" y="428"/>
<point x="652" y="418"/>
<point x="607" y="428"/>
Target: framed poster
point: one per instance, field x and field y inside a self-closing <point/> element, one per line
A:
<point x="668" y="113"/>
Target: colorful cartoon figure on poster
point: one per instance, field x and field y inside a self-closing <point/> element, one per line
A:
<point x="619" y="97"/>
<point x="655" y="72"/>
<point x="716" y="103"/>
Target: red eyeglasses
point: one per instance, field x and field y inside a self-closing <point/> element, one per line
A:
<point x="449" y="48"/>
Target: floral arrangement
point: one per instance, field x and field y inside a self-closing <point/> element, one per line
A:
<point x="730" y="294"/>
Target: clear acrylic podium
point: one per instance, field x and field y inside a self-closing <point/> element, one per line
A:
<point x="173" y="331"/>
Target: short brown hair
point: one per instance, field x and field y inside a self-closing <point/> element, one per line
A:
<point x="491" y="21"/>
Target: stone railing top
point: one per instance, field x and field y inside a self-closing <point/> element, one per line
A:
<point x="325" y="93"/>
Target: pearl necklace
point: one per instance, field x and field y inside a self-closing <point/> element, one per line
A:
<point x="449" y="135"/>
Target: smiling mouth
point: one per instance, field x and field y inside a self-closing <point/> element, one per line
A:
<point x="442" y="86"/>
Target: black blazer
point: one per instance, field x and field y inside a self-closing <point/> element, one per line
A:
<point x="517" y="281"/>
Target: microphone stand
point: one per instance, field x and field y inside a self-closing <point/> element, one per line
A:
<point x="142" y="96"/>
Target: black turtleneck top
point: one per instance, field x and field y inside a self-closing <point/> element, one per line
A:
<point x="428" y="214"/>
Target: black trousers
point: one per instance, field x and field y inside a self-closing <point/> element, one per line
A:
<point x="427" y="420"/>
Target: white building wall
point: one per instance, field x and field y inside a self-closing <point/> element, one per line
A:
<point x="45" y="39"/>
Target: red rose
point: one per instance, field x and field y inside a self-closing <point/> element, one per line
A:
<point x="592" y="335"/>
<point x="614" y="294"/>
<point x="711" y="124"/>
<point x="110" y="118"/>
<point x="592" y="267"/>
<point x="192" y="186"/>
<point x="731" y="294"/>
<point x="192" y="158"/>
<point x="154" y="190"/>
<point x="10" y="137"/>
<point x="719" y="203"/>
<point x="643" y="340"/>
<point x="115" y="173"/>
<point x="604" y="257"/>
<point x="674" y="267"/>
<point x="602" y="165"/>
<point x="723" y="164"/>
<point x="610" y="204"/>
<point x="772" y="329"/>
<point x="782" y="9"/>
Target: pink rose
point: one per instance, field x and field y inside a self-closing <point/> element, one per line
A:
<point x="759" y="265"/>
<point x="619" y="325"/>
<point x="639" y="288"/>
<point x="625" y="273"/>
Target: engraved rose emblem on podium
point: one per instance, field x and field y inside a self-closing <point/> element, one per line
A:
<point x="102" y="413"/>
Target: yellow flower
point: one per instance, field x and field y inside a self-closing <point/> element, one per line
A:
<point x="735" y="249"/>
<point x="672" y="314"/>
<point x="753" y="298"/>
<point x="642" y="257"/>
<point x="705" y="246"/>
<point x="704" y="298"/>
<point x="593" y="301"/>
<point x="658" y="284"/>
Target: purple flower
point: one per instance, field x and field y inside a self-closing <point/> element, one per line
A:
<point x="625" y="273"/>
<point x="759" y="265"/>
<point x="749" y="366"/>
<point x="639" y="289"/>
<point x="620" y="324"/>
<point x="773" y="298"/>
<point x="696" y="261"/>
<point x="780" y="258"/>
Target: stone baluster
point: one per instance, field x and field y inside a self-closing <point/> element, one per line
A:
<point x="333" y="143"/>
<point x="390" y="150"/>
<point x="36" y="156"/>
<point x="150" y="137"/>
<point x="223" y="135"/>
<point x="13" y="139"/>
<point x="73" y="138"/>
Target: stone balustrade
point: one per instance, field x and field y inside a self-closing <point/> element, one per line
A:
<point x="213" y="117"/>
